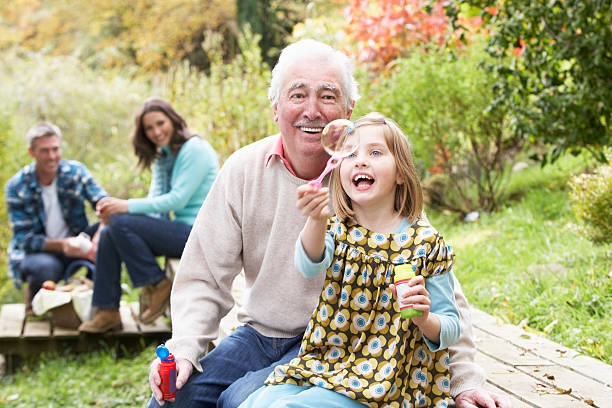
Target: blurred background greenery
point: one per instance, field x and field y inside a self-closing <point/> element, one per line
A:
<point x="475" y="91"/>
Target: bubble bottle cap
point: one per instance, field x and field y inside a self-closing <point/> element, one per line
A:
<point x="404" y="271"/>
<point x="163" y="353"/>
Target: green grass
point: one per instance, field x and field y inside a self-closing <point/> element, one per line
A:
<point x="497" y="264"/>
<point x="97" y="379"/>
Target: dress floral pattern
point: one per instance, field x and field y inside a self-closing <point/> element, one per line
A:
<point x="356" y="342"/>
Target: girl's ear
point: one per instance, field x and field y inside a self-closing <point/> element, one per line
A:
<point x="399" y="179"/>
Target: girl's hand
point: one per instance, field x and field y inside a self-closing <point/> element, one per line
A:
<point x="313" y="202"/>
<point x="418" y="297"/>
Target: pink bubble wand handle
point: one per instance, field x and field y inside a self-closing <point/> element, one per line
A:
<point x="332" y="163"/>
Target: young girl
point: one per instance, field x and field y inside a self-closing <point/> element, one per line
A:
<point x="357" y="349"/>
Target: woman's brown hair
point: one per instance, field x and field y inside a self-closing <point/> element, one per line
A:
<point x="408" y="195"/>
<point x="144" y="149"/>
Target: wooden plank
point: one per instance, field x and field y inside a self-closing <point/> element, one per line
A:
<point x="62" y="332"/>
<point x="525" y="388"/>
<point x="158" y="326"/>
<point x="504" y="350"/>
<point x="543" y="370"/>
<point x="12" y="319"/>
<point x="130" y="326"/>
<point x="39" y="328"/>
<point x="589" y="367"/>
<point x="516" y="403"/>
<point x="581" y="387"/>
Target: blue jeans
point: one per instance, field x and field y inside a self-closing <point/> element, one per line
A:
<point x="135" y="240"/>
<point x="42" y="266"/>
<point x="237" y="367"/>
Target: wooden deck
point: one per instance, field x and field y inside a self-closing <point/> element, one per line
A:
<point x="20" y="336"/>
<point x="536" y="372"/>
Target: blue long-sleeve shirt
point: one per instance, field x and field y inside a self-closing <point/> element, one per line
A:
<point x="26" y="212"/>
<point x="440" y="288"/>
<point x="193" y="173"/>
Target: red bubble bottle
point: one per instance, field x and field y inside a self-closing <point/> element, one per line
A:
<point x="167" y="372"/>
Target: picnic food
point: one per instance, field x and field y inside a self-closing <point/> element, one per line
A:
<point x="49" y="285"/>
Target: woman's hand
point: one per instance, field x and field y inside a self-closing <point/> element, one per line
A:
<point x="109" y="206"/>
<point x="313" y="202"/>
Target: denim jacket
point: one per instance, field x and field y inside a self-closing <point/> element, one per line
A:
<point x="26" y="213"/>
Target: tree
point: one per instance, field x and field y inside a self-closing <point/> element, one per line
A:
<point x="384" y="30"/>
<point x="153" y="34"/>
<point x="557" y="83"/>
<point x="272" y="20"/>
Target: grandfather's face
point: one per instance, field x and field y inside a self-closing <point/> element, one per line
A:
<point x="311" y="96"/>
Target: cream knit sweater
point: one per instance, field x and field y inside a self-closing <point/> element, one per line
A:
<point x="249" y="221"/>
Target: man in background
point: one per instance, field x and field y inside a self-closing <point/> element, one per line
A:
<point x="46" y="210"/>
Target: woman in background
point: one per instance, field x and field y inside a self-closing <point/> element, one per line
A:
<point x="138" y="230"/>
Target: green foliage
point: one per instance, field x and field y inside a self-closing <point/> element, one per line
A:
<point x="229" y="106"/>
<point x="557" y="84"/>
<point x="147" y="34"/>
<point x="272" y="20"/>
<point x="441" y="102"/>
<point x="591" y="195"/>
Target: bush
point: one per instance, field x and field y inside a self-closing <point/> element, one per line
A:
<point x="591" y="196"/>
<point x="229" y="106"/>
<point x="440" y="102"/>
<point x="93" y="109"/>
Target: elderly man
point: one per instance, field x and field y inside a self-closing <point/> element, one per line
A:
<point x="46" y="209"/>
<point x="249" y="221"/>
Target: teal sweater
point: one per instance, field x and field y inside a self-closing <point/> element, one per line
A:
<point x="193" y="173"/>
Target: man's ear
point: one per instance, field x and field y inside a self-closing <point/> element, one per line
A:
<point x="350" y="110"/>
<point x="30" y="151"/>
<point x="275" y="111"/>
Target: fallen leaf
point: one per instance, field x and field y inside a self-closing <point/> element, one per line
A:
<point x="549" y="377"/>
<point x="589" y="402"/>
<point x="564" y="391"/>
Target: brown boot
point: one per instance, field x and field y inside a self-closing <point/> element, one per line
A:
<point x="103" y="321"/>
<point x="159" y="298"/>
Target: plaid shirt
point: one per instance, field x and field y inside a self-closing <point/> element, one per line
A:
<point x="26" y="213"/>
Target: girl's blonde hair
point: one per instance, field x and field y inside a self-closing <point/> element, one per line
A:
<point x="408" y="195"/>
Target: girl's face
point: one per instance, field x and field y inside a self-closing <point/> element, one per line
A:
<point x="158" y="128"/>
<point x="369" y="176"/>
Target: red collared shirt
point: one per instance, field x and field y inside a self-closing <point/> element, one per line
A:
<point x="277" y="150"/>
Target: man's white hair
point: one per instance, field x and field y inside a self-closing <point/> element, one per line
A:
<point x="42" y="129"/>
<point x="313" y="48"/>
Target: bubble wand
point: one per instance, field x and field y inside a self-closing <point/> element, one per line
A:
<point x="339" y="141"/>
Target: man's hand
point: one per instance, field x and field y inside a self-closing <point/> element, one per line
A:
<point x="72" y="249"/>
<point x="479" y="398"/>
<point x="183" y="371"/>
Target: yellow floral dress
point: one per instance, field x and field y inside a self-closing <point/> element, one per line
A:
<point x="356" y="342"/>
